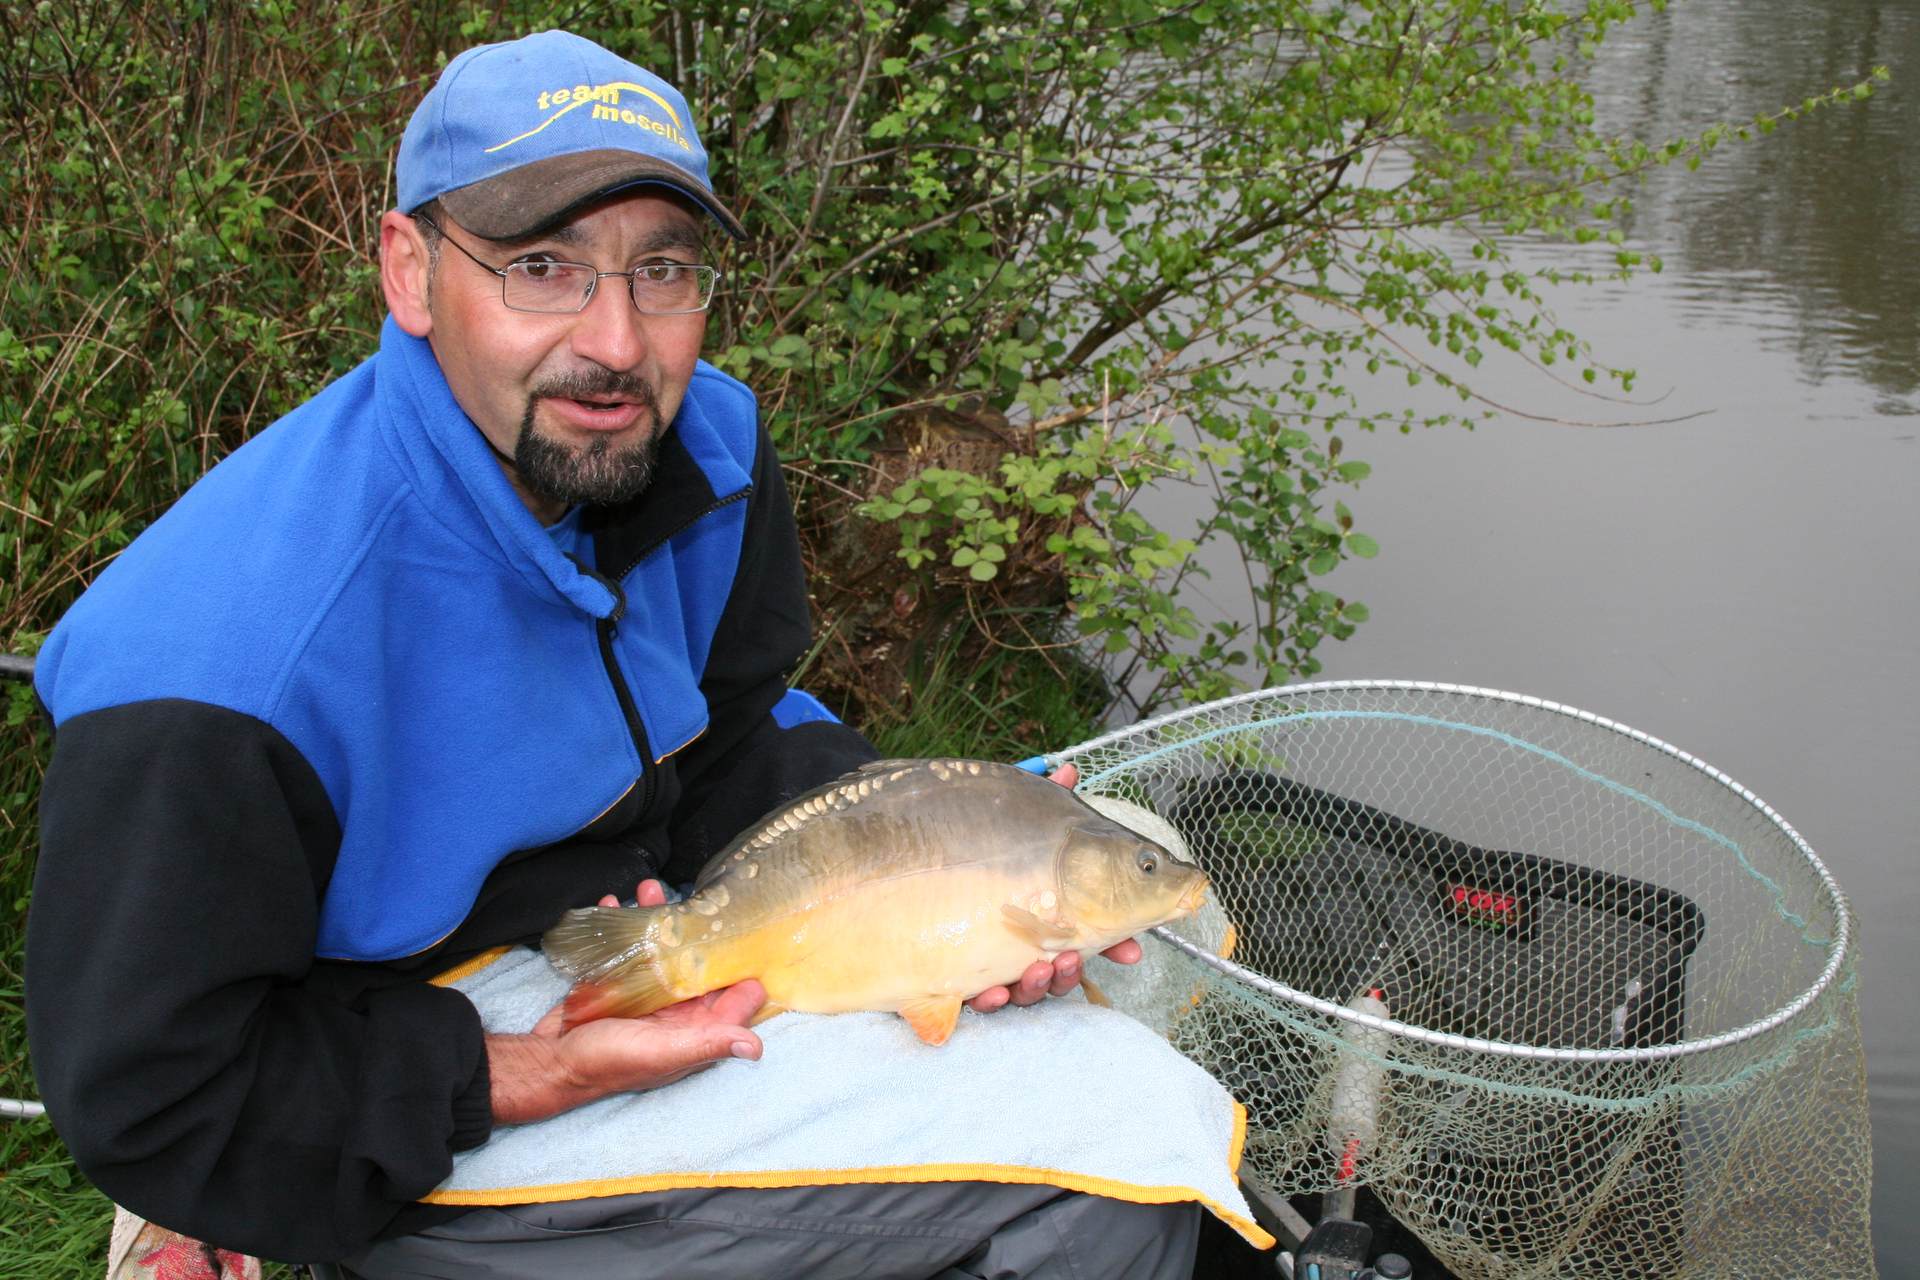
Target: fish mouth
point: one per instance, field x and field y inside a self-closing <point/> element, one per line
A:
<point x="1192" y="900"/>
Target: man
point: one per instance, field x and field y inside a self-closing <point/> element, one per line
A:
<point x="493" y="626"/>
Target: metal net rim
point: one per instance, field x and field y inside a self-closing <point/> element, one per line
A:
<point x="1502" y="1048"/>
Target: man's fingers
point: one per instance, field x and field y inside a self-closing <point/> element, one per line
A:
<point x="1066" y="775"/>
<point x="738" y="1003"/>
<point x="705" y="1052"/>
<point x="699" y="1051"/>
<point x="1033" y="984"/>
<point x="723" y="1038"/>
<point x="1066" y="973"/>
<point x="549" y="1024"/>
<point x="989" y="1000"/>
<point x="1126" y="951"/>
<point x="648" y="893"/>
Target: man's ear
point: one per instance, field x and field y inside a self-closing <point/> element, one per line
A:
<point x="405" y="265"/>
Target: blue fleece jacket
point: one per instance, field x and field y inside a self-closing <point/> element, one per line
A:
<point x="362" y="577"/>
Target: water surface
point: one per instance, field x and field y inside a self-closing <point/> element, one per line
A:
<point x="1745" y="584"/>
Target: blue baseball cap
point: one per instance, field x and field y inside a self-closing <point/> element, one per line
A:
<point x="512" y="137"/>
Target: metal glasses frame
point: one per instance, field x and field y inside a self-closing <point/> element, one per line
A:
<point x="709" y="278"/>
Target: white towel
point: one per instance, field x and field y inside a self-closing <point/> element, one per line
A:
<point x="856" y="1097"/>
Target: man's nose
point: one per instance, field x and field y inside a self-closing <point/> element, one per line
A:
<point x="611" y="332"/>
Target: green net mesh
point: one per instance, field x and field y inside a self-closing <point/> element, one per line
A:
<point x="1568" y="1001"/>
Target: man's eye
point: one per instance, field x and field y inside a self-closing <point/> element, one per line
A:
<point x="536" y="268"/>
<point x="659" y="272"/>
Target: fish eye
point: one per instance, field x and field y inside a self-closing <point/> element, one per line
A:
<point x="1148" y="864"/>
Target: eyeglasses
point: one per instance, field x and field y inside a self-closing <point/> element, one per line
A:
<point x="565" y="288"/>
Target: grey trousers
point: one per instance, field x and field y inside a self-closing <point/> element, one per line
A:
<point x="866" y="1231"/>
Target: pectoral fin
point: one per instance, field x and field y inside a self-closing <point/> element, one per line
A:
<point x="767" y="1010"/>
<point x="1094" y="994"/>
<point x="1048" y="935"/>
<point x="933" y="1018"/>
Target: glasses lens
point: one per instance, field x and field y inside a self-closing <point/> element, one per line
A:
<point x="548" y="286"/>
<point x="672" y="289"/>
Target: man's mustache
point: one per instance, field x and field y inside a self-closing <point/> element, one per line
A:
<point x="600" y="384"/>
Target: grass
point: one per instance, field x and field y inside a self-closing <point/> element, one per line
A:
<point x="1001" y="704"/>
<point x="54" y="1224"/>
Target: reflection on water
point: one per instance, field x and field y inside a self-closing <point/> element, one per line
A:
<point x="1813" y="234"/>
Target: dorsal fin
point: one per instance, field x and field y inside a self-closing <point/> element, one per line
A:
<point x="885" y="766"/>
<point x="848" y="789"/>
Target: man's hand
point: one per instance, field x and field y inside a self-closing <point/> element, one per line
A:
<point x="1059" y="975"/>
<point x="551" y="1070"/>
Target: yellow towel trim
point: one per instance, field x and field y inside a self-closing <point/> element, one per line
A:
<point x="1239" y="1140"/>
<point x="467" y="967"/>
<point x="1111" y="1188"/>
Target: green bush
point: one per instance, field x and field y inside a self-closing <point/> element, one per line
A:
<point x="1119" y="241"/>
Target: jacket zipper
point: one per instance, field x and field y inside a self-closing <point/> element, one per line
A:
<point x="606" y="628"/>
<point x="678" y="529"/>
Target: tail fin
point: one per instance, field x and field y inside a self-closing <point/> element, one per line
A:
<point x="610" y="953"/>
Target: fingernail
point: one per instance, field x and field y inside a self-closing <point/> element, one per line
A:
<point x="745" y="1049"/>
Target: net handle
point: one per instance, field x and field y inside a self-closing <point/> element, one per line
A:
<point x="1843" y="915"/>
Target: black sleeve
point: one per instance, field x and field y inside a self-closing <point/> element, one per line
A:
<point x="745" y="764"/>
<point x="194" y="1056"/>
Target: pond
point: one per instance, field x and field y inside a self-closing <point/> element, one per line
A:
<point x="1744" y="584"/>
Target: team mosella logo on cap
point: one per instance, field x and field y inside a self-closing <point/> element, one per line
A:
<point x="516" y="135"/>
<point x="604" y="102"/>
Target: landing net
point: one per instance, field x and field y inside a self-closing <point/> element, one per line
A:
<point x="1570" y="1002"/>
